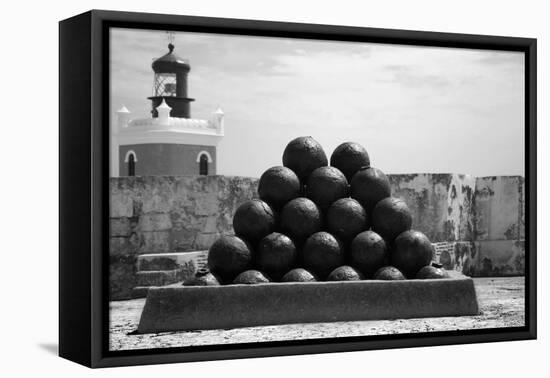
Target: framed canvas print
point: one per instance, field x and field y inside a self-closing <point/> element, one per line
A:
<point x="234" y="188"/>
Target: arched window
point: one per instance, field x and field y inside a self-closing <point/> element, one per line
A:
<point x="131" y="159"/>
<point x="203" y="158"/>
<point x="203" y="165"/>
<point x="131" y="166"/>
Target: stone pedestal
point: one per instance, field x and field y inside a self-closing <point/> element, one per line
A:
<point x="186" y="308"/>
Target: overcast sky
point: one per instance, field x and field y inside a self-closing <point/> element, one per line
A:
<point x="415" y="109"/>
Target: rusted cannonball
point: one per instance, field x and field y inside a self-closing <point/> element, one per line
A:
<point x="390" y="217"/>
<point x="344" y="273"/>
<point x="368" y="186"/>
<point x="349" y="157"/>
<point x="431" y="271"/>
<point x="412" y="251"/>
<point x="388" y="273"/>
<point x="276" y="255"/>
<point x="229" y="256"/>
<point x="253" y="220"/>
<point x="303" y="155"/>
<point x="368" y="252"/>
<point x="300" y="218"/>
<point x="278" y="185"/>
<point x="251" y="277"/>
<point x="346" y="218"/>
<point x="203" y="277"/>
<point x="298" y="275"/>
<point x="322" y="253"/>
<point x="325" y="185"/>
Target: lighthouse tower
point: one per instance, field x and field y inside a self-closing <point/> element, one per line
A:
<point x="170" y="142"/>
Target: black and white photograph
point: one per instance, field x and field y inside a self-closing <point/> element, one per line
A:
<point x="266" y="189"/>
<point x="275" y="189"/>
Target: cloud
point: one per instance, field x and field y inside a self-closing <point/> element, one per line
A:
<point x="506" y="58"/>
<point x="412" y="76"/>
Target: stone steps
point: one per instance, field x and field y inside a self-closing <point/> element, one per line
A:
<point x="171" y="261"/>
<point x="159" y="277"/>
<point x="162" y="269"/>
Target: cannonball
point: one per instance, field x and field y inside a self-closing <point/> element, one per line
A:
<point x="278" y="185"/>
<point x="298" y="275"/>
<point x="431" y="271"/>
<point x="229" y="256"/>
<point x="251" y="277"/>
<point x="412" y="251"/>
<point x="300" y="218"/>
<point x="322" y="253"/>
<point x="253" y="220"/>
<point x="203" y="277"/>
<point x="325" y="185"/>
<point x="344" y="273"/>
<point x="276" y="255"/>
<point x="303" y="155"/>
<point x="349" y="157"/>
<point x="390" y="217"/>
<point x="368" y="186"/>
<point x="368" y="252"/>
<point x="388" y="273"/>
<point x="346" y="218"/>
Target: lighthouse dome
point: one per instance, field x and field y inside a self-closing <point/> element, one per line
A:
<point x="170" y="63"/>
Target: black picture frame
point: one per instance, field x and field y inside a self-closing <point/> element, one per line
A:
<point x="83" y="197"/>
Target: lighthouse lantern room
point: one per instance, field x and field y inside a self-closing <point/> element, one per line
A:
<point x="170" y="84"/>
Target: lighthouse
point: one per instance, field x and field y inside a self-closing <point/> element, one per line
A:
<point x="169" y="142"/>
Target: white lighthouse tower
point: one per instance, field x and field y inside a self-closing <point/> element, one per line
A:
<point x="170" y="142"/>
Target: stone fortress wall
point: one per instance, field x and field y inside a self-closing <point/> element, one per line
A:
<point x="476" y="224"/>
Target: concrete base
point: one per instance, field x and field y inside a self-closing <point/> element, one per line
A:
<point x="181" y="308"/>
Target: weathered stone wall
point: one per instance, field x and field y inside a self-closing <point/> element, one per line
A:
<point x="499" y="217"/>
<point x="499" y="208"/>
<point x="158" y="214"/>
<point x="442" y="204"/>
<point x="478" y="223"/>
<point x="496" y="246"/>
<point x="494" y="258"/>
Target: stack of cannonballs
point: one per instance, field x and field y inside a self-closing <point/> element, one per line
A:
<point x="315" y="222"/>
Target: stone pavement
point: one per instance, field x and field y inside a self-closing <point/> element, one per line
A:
<point x="501" y="300"/>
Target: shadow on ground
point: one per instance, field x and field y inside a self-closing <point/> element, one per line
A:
<point x="52" y="348"/>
